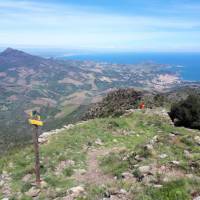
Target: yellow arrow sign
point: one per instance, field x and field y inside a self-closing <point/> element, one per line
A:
<point x="35" y="119"/>
<point x="35" y="122"/>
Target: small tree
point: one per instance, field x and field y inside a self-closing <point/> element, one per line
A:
<point x="187" y="112"/>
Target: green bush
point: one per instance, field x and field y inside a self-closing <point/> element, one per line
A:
<point x="68" y="171"/>
<point x="187" y="112"/>
<point x="115" y="103"/>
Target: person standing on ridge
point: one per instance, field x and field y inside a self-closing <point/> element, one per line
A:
<point x="142" y="105"/>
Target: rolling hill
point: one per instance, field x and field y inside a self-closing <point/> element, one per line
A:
<point x="63" y="89"/>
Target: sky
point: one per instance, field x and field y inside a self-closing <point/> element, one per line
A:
<point x="104" y="25"/>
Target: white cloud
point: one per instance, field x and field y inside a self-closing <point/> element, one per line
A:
<point x="31" y="23"/>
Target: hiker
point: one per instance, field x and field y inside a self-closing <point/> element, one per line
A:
<point x="142" y="106"/>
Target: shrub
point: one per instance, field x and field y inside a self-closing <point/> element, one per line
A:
<point x="68" y="171"/>
<point x="115" y="103"/>
<point x="187" y="112"/>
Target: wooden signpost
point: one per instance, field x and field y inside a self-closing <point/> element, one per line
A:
<point x="36" y="122"/>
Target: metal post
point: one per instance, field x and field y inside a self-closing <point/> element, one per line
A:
<point x="37" y="156"/>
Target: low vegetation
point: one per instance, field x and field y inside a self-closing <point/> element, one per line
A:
<point x="187" y="112"/>
<point x="115" y="103"/>
<point x="138" y="156"/>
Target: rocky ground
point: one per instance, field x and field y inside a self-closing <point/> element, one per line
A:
<point x="139" y="155"/>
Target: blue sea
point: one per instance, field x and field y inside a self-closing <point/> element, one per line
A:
<point x="187" y="64"/>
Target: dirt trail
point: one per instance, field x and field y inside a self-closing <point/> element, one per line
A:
<point x="94" y="174"/>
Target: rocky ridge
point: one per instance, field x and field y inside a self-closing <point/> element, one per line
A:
<point x="117" y="159"/>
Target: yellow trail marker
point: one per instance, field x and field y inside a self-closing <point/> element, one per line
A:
<point x="35" y="122"/>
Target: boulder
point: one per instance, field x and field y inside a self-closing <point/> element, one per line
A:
<point x="172" y="135"/>
<point x="154" y="140"/>
<point x="33" y="192"/>
<point x="69" y="126"/>
<point x="127" y="175"/>
<point x="42" y="140"/>
<point x="148" y="147"/>
<point x="99" y="142"/>
<point x="80" y="171"/>
<point x="175" y="162"/>
<point x="197" y="139"/>
<point x="76" y="191"/>
<point x="144" y="169"/>
<point x="163" y="155"/>
<point x="187" y="154"/>
<point x="116" y="194"/>
<point x="123" y="191"/>
<point x="138" y="158"/>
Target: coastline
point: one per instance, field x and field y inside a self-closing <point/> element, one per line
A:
<point x="185" y="64"/>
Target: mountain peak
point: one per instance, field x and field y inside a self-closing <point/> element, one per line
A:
<point x="17" y="58"/>
<point x="14" y="52"/>
<point x="9" y="49"/>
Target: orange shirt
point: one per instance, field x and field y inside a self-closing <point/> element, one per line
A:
<point x="142" y="106"/>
